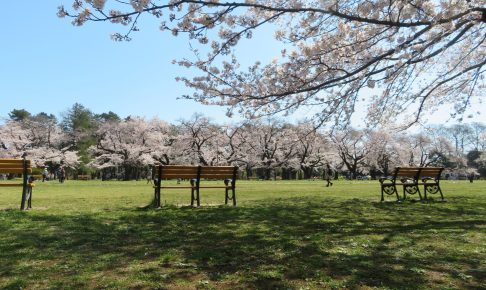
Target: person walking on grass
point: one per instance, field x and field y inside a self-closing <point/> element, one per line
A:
<point x="62" y="174"/>
<point x="45" y="175"/>
<point x="328" y="175"/>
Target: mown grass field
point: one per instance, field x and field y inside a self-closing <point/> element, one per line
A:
<point x="282" y="235"/>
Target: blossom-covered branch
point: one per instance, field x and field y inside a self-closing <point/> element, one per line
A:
<point x="415" y="55"/>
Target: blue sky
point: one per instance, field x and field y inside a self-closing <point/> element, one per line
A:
<point x="47" y="65"/>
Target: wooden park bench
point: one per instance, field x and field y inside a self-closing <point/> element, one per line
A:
<point x="84" y="177"/>
<point x="411" y="178"/>
<point x="24" y="167"/>
<point x="195" y="174"/>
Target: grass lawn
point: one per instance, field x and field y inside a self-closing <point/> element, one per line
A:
<point x="282" y="235"/>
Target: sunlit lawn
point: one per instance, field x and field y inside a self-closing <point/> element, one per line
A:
<point x="282" y="235"/>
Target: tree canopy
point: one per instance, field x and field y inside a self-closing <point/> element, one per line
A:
<point x="126" y="147"/>
<point x="19" y="114"/>
<point x="415" y="55"/>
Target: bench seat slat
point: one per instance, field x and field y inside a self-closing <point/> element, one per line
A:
<point x="225" y="169"/>
<point x="182" y="174"/>
<point x="216" y="176"/>
<point x="216" y="173"/>
<point x="177" y="172"/>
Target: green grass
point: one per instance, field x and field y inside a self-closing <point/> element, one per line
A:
<point x="282" y="235"/>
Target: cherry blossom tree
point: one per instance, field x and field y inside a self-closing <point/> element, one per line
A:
<point x="14" y="139"/>
<point x="199" y="142"/>
<point x="314" y="150"/>
<point x="352" y="147"/>
<point x="415" y="55"/>
<point x="235" y="145"/>
<point x="39" y="139"/>
<point x="130" y="144"/>
<point x="241" y="146"/>
<point x="426" y="149"/>
<point x="385" y="153"/>
<point x="270" y="146"/>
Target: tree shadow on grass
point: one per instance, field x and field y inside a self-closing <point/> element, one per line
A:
<point x="284" y="244"/>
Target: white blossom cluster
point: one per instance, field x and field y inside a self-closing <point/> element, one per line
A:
<point x="133" y="142"/>
<point x="39" y="140"/>
<point x="267" y="146"/>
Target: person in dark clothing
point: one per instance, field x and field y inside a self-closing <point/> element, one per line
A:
<point x="328" y="175"/>
<point x="62" y="174"/>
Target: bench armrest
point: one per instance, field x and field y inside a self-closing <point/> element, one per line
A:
<point x="407" y="180"/>
<point x="387" y="178"/>
<point x="425" y="179"/>
<point x="227" y="181"/>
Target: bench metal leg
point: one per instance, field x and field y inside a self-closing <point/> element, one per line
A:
<point x="440" y="191"/>
<point x="226" y="191"/>
<point x="29" y="197"/>
<point x="192" y="197"/>
<point x="195" y="189"/>
<point x="226" y="196"/>
<point x="24" y="198"/>
<point x="411" y="189"/>
<point x="389" y="189"/>
<point x="234" y="197"/>
<point x="157" y="196"/>
<point x="198" y="199"/>
<point x="433" y="189"/>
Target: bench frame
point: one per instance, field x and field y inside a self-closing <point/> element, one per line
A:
<point x="195" y="174"/>
<point x="411" y="178"/>
<point x="24" y="167"/>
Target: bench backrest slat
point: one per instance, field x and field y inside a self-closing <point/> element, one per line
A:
<point x="13" y="160"/>
<point x="176" y="171"/>
<point x="217" y="172"/>
<point x="188" y="172"/>
<point x="418" y="172"/>
<point x="431" y="172"/>
<point x="10" y="165"/>
<point x="179" y="175"/>
<point x="407" y="171"/>
<point x="217" y="176"/>
<point x="15" y="170"/>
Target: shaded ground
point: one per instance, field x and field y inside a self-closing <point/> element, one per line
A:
<point x="315" y="242"/>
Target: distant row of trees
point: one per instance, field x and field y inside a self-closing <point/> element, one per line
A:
<point x="109" y="146"/>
